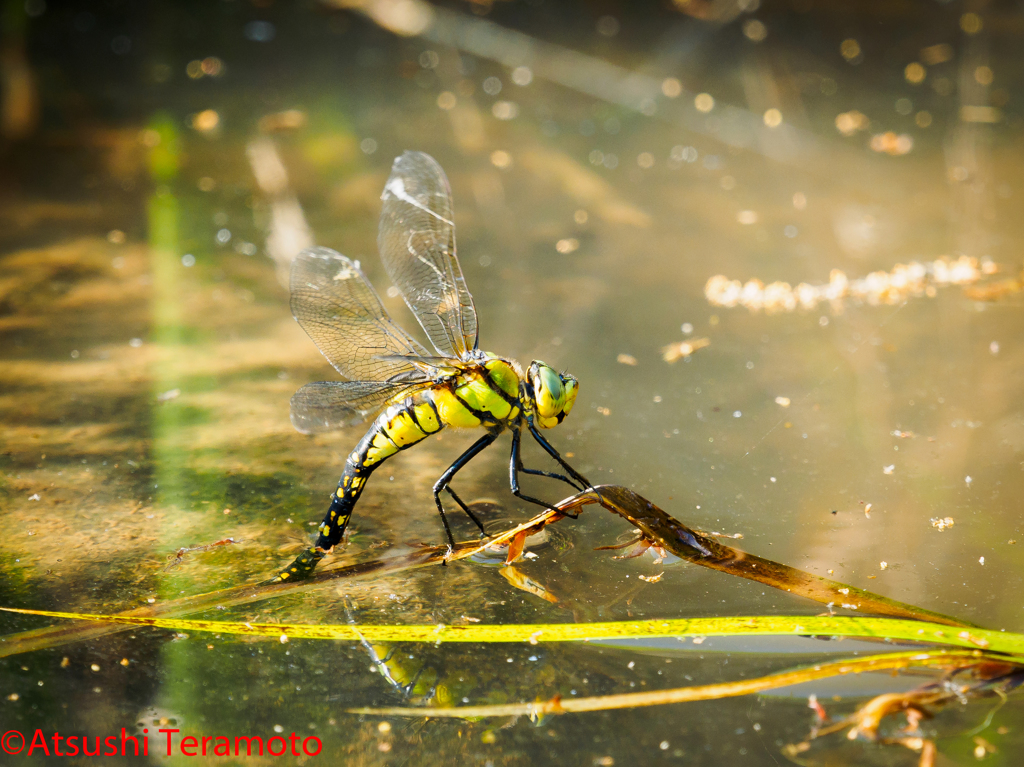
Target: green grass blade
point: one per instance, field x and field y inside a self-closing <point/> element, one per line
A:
<point x="778" y="625"/>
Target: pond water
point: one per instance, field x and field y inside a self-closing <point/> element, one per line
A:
<point x="606" y="162"/>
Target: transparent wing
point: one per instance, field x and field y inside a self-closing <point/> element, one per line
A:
<point x="338" y="308"/>
<point x="417" y="244"/>
<point x="329" y="405"/>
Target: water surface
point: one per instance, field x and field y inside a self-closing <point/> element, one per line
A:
<point x="148" y="353"/>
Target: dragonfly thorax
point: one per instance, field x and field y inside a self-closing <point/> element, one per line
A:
<point x="484" y="392"/>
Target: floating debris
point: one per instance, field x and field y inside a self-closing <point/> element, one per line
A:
<point x="651" y="578"/>
<point x="683" y="349"/>
<point x="282" y="122"/>
<point x="892" y="144"/>
<point x="914" y="73"/>
<point x="206" y="121"/>
<point x="734" y="536"/>
<point x="568" y="245"/>
<point x="903" y="434"/>
<point x="850" y="122"/>
<point x="995" y="290"/>
<point x="626" y="359"/>
<point x="817" y="708"/>
<point x="942" y="524"/>
<point x="179" y="556"/>
<point x="501" y="159"/>
<point x="167" y="396"/>
<point x="782" y="401"/>
<point x="982" y="748"/>
<point x="889" y="469"/>
<point x="904" y="281"/>
<point x="937" y="54"/>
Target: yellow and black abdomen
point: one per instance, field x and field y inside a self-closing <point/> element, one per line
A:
<point x="401" y="425"/>
<point x="483" y="396"/>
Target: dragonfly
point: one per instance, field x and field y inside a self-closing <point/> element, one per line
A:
<point x="410" y="392"/>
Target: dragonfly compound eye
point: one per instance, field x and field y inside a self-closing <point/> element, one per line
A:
<point x="554" y="394"/>
<point x="572" y="388"/>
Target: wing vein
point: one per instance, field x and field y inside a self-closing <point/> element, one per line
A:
<point x="339" y="309"/>
<point x="417" y="246"/>
<point x="397" y="187"/>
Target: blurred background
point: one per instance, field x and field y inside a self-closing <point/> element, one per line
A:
<point x="850" y="405"/>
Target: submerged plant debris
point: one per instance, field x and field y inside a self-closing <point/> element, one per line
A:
<point x="878" y="720"/>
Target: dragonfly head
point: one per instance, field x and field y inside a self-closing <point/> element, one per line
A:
<point x="554" y="394"/>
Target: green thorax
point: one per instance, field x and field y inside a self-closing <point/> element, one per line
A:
<point x="482" y="394"/>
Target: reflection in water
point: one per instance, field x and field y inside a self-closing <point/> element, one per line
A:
<point x="167" y="331"/>
<point x="288" y="233"/>
<point x="611" y="163"/>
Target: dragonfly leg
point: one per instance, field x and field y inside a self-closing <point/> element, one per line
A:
<point x="515" y="465"/>
<point x="540" y="473"/>
<point x="451" y="471"/>
<point x="557" y="456"/>
<point x="465" y="508"/>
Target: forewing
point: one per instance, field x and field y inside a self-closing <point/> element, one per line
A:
<point x="417" y="244"/>
<point x="339" y="309"/>
<point x="329" y="405"/>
